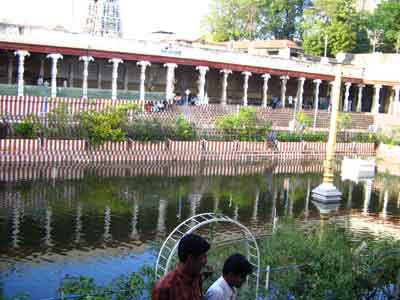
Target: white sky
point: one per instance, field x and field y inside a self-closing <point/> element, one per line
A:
<point x="139" y="17"/>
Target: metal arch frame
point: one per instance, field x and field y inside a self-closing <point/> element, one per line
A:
<point x="195" y="222"/>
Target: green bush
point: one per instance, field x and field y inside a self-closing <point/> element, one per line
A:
<point x="147" y="130"/>
<point x="183" y="130"/>
<point x="106" y="125"/>
<point x="29" y="128"/>
<point x="328" y="261"/>
<point x="288" y="137"/>
<point x="244" y="126"/>
<point x="315" y="137"/>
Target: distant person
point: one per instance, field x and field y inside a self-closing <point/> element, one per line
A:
<point x="46" y="83"/>
<point x="185" y="282"/>
<point x="40" y="81"/>
<point x="234" y="273"/>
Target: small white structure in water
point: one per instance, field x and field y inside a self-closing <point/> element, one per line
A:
<point x="356" y="169"/>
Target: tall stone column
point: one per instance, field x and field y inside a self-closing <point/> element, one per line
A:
<point x="360" y="96"/>
<point x="162" y="214"/>
<point x="54" y="59"/>
<point x="367" y="195"/>
<point x="225" y="74"/>
<point x="300" y="90"/>
<point x="143" y="64"/>
<point x="10" y="69"/>
<point x="86" y="60"/>
<point x="201" y="82"/>
<point x="245" y="86"/>
<point x="99" y="74"/>
<point x="346" y="97"/>
<point x="375" y="102"/>
<point x="114" y="86"/>
<point x="169" y="85"/>
<point x="266" y="77"/>
<point x="283" y="89"/>
<point x="397" y="100"/>
<point x="21" y="60"/>
<point x="317" y="83"/>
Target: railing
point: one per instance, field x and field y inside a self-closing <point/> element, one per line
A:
<point x="32" y="90"/>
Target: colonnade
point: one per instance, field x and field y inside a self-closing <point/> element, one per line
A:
<point x="394" y="107"/>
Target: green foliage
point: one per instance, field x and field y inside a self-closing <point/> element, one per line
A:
<point x="147" y="130"/>
<point x="344" y="121"/>
<point x="390" y="136"/>
<point x="303" y="120"/>
<point x="254" y="19"/>
<point x="29" y="128"/>
<point x="133" y="286"/>
<point x="244" y="126"/>
<point x="386" y="18"/>
<point x="339" y="20"/>
<point x="106" y="125"/>
<point x="297" y="137"/>
<point x="281" y="19"/>
<point x="183" y="130"/>
<point x="232" y="19"/>
<point x="326" y="260"/>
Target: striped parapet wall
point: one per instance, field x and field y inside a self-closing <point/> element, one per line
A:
<point x="186" y="150"/>
<point x="51" y="150"/>
<point x="36" y="105"/>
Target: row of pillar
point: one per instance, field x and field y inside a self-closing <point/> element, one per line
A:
<point x="170" y="76"/>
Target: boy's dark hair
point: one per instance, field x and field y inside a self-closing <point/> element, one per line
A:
<point x="238" y="265"/>
<point x="192" y="244"/>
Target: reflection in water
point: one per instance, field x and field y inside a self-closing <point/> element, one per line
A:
<point x="47" y="241"/>
<point x="78" y="224"/>
<point x="107" y="224"/>
<point x="367" y="195"/>
<point x="162" y="213"/>
<point x="83" y="213"/>
<point x="385" y="204"/>
<point x="135" y="214"/>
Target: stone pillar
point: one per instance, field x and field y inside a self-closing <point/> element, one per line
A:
<point x="143" y="64"/>
<point x="21" y="60"/>
<point x="201" y="82"/>
<point x="86" y="60"/>
<point x="360" y="96"/>
<point x="225" y="74"/>
<point x="266" y="77"/>
<point x="169" y="85"/>
<point x="54" y="57"/>
<point x="99" y="69"/>
<point x="245" y="86"/>
<point x="283" y="89"/>
<point x="10" y="69"/>
<point x="397" y="100"/>
<point x="367" y="196"/>
<point x="375" y="102"/>
<point x="114" y="86"/>
<point x="316" y="100"/>
<point x="346" y="97"/>
<point x="300" y="90"/>
<point x="126" y="77"/>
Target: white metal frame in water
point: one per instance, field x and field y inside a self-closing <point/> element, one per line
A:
<point x="170" y="245"/>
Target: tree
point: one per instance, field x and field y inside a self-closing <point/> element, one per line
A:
<point x="255" y="19"/>
<point x="280" y="19"/>
<point x="386" y="18"/>
<point x="232" y="20"/>
<point x="344" y="27"/>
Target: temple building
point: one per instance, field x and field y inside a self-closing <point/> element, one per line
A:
<point x="100" y="63"/>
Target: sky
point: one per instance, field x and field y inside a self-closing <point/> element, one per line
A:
<point x="139" y="17"/>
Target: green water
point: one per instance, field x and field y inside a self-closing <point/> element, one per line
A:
<point x="100" y="220"/>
